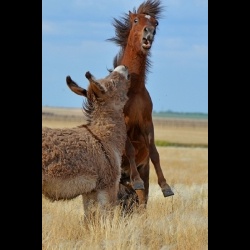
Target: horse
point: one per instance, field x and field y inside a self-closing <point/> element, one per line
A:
<point x="135" y="33"/>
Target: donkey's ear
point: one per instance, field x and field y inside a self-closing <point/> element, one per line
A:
<point x="95" y="84"/>
<point x="75" y="88"/>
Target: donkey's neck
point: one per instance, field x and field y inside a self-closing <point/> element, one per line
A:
<point x="110" y="127"/>
<point x="106" y="120"/>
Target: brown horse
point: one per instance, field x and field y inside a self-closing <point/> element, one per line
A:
<point x="135" y="34"/>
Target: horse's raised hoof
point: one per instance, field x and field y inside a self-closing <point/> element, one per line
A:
<point x="167" y="192"/>
<point x="138" y="185"/>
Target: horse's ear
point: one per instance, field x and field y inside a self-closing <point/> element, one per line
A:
<point x="132" y="17"/>
<point x="75" y="88"/>
<point x="130" y="14"/>
<point x="96" y="86"/>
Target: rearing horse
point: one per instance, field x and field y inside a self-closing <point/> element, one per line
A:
<point x="135" y="34"/>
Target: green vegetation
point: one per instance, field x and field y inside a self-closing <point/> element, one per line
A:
<point x="172" y="114"/>
<point x="161" y="143"/>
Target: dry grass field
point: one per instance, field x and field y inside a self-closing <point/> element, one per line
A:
<point x="179" y="222"/>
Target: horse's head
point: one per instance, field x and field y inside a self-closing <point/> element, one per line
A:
<point x="143" y="30"/>
<point x="137" y="29"/>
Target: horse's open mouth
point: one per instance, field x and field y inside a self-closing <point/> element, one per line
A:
<point x="146" y="43"/>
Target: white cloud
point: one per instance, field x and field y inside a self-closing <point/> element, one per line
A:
<point x="202" y="3"/>
<point x="179" y="52"/>
<point x="48" y="27"/>
<point x="76" y="28"/>
<point x="200" y="50"/>
<point x="180" y="3"/>
<point x="107" y="5"/>
<point x="171" y="43"/>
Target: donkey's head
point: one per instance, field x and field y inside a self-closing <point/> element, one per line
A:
<point x="111" y="90"/>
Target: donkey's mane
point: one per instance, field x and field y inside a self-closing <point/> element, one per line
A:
<point x="123" y="26"/>
<point x="88" y="107"/>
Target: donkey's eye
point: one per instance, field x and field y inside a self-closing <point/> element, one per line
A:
<point x="136" y="20"/>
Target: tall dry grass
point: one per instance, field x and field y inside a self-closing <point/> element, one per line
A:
<point x="179" y="222"/>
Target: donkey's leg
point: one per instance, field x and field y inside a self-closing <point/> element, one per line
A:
<point x="108" y="196"/>
<point x="107" y="199"/>
<point x="136" y="181"/>
<point x="89" y="201"/>
<point x="154" y="156"/>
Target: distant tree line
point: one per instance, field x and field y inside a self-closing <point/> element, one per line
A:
<point x="173" y="114"/>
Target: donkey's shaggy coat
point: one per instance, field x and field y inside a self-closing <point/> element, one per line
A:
<point x="86" y="160"/>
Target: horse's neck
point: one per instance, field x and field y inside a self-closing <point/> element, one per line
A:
<point x="136" y="62"/>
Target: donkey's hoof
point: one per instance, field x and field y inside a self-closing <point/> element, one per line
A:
<point x="167" y="192"/>
<point x="137" y="185"/>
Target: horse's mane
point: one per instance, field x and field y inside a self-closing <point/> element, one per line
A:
<point x="123" y="26"/>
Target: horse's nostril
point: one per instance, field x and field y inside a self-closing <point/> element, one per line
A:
<point x="149" y="31"/>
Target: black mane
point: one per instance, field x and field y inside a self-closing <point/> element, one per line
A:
<point x="88" y="107"/>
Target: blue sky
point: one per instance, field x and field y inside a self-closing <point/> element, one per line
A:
<point x="74" y="37"/>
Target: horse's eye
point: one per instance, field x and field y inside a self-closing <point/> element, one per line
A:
<point x="136" y="20"/>
<point x="156" y="23"/>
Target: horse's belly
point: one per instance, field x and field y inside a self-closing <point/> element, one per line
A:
<point x="142" y="156"/>
<point x="66" y="189"/>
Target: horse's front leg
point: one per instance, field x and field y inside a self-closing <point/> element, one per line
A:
<point x="136" y="181"/>
<point x="155" y="158"/>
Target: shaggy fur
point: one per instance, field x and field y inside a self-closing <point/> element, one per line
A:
<point x="86" y="160"/>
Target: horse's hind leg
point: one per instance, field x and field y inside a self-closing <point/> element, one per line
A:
<point x="136" y="181"/>
<point x="154" y="156"/>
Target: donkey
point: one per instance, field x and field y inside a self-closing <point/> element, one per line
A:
<point x="86" y="160"/>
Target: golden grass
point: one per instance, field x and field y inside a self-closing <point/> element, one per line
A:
<point x="177" y="222"/>
<point x="185" y="134"/>
<point x="178" y="134"/>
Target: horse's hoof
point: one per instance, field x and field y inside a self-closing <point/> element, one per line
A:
<point x="167" y="192"/>
<point x="138" y="185"/>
